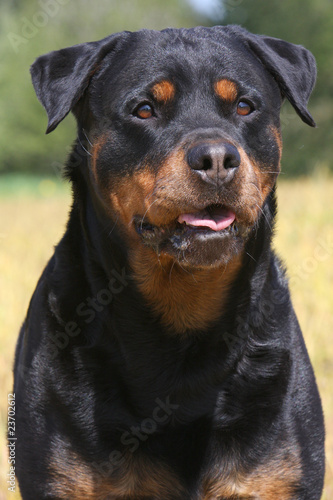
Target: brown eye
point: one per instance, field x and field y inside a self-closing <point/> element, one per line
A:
<point x="244" y="108"/>
<point x="144" y="111"/>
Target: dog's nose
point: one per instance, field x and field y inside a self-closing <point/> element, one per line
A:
<point x="215" y="160"/>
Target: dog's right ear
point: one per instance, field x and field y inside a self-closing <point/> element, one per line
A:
<point x="292" y="66"/>
<point x="61" y="77"/>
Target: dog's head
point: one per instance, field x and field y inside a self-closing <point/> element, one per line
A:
<point x="181" y="129"/>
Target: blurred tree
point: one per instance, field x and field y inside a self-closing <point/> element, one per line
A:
<point x="309" y="23"/>
<point x="29" y="28"/>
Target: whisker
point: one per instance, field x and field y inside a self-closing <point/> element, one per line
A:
<point x="149" y="196"/>
<point x="247" y="253"/>
<point x="261" y="210"/>
<point x="185" y="270"/>
<point x="174" y="262"/>
<point x="114" y="225"/>
<point x="84" y="148"/>
<point x="144" y="215"/>
<point x="87" y="137"/>
<point x="160" y="263"/>
<point x="260" y="194"/>
<point x="256" y="228"/>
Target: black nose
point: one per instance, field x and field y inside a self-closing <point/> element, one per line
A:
<point x="215" y="159"/>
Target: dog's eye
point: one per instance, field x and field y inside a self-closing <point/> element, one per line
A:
<point x="144" y="111"/>
<point x="244" y="108"/>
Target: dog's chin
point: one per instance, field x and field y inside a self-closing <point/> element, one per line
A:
<point x="203" y="248"/>
<point x="194" y="246"/>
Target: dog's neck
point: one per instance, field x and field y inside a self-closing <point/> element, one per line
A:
<point x="185" y="299"/>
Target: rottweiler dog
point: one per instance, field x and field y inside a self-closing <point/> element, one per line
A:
<point x="161" y="357"/>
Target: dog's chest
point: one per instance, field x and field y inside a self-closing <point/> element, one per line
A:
<point x="135" y="475"/>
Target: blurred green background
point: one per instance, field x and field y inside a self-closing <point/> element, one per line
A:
<point x="32" y="195"/>
<point x="29" y="28"/>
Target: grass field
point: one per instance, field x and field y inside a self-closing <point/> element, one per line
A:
<point x="33" y="216"/>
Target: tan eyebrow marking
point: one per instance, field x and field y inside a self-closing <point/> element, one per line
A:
<point x="226" y="89"/>
<point x="164" y="91"/>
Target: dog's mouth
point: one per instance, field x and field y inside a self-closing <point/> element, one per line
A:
<point x="214" y="217"/>
<point x="205" y="237"/>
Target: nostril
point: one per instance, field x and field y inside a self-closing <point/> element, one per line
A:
<point x="232" y="157"/>
<point x="199" y="157"/>
<point x="207" y="164"/>
<point x="232" y="160"/>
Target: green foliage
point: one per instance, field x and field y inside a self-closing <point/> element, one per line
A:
<point x="309" y="23"/>
<point x="30" y="28"/>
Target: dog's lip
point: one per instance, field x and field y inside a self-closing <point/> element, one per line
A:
<point x="214" y="217"/>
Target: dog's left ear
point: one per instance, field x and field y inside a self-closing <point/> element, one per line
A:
<point x="292" y="66"/>
<point x="61" y="77"/>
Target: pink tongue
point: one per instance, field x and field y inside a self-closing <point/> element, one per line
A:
<point x="217" y="221"/>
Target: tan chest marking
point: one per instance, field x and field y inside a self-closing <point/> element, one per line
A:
<point x="134" y="478"/>
<point x="275" y="480"/>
